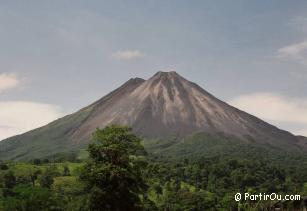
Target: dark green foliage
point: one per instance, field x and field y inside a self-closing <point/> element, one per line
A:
<point x="9" y="182"/>
<point x="158" y="189"/>
<point x="25" y="186"/>
<point x="66" y="171"/>
<point x="113" y="172"/>
<point x="46" y="179"/>
<point x="37" y="161"/>
<point x="65" y="156"/>
<point x="148" y="205"/>
<point x="27" y="198"/>
<point x="3" y="166"/>
<point x="206" y="183"/>
<point x="115" y="177"/>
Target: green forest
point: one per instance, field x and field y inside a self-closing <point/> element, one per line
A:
<point x="118" y="174"/>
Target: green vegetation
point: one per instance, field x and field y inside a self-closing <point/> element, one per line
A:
<point x="119" y="175"/>
<point x="113" y="172"/>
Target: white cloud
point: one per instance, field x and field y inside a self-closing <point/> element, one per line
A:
<point x="8" y="81"/>
<point x="128" y="55"/>
<point x="276" y="109"/>
<point x="296" y="52"/>
<point x="17" y="117"/>
<point x="302" y="132"/>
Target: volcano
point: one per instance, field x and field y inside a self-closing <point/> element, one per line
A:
<point x="166" y="105"/>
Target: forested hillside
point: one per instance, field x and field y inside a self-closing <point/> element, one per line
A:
<point x="150" y="181"/>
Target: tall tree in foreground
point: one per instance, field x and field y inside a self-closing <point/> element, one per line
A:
<point x="113" y="172"/>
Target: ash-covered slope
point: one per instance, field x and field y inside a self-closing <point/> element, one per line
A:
<point x="166" y="105"/>
<point x="169" y="105"/>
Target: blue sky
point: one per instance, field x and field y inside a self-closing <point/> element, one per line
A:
<point x="58" y="56"/>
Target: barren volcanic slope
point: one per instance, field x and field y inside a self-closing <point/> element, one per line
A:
<point x="166" y="105"/>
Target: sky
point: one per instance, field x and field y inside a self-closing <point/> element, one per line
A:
<point x="59" y="56"/>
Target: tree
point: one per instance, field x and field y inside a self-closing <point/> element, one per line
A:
<point x="3" y="166"/>
<point x="9" y="181"/>
<point x="114" y="171"/>
<point x="46" y="179"/>
<point x="66" y="171"/>
<point x="33" y="174"/>
<point x="158" y="189"/>
<point x="28" y="198"/>
<point x="37" y="161"/>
